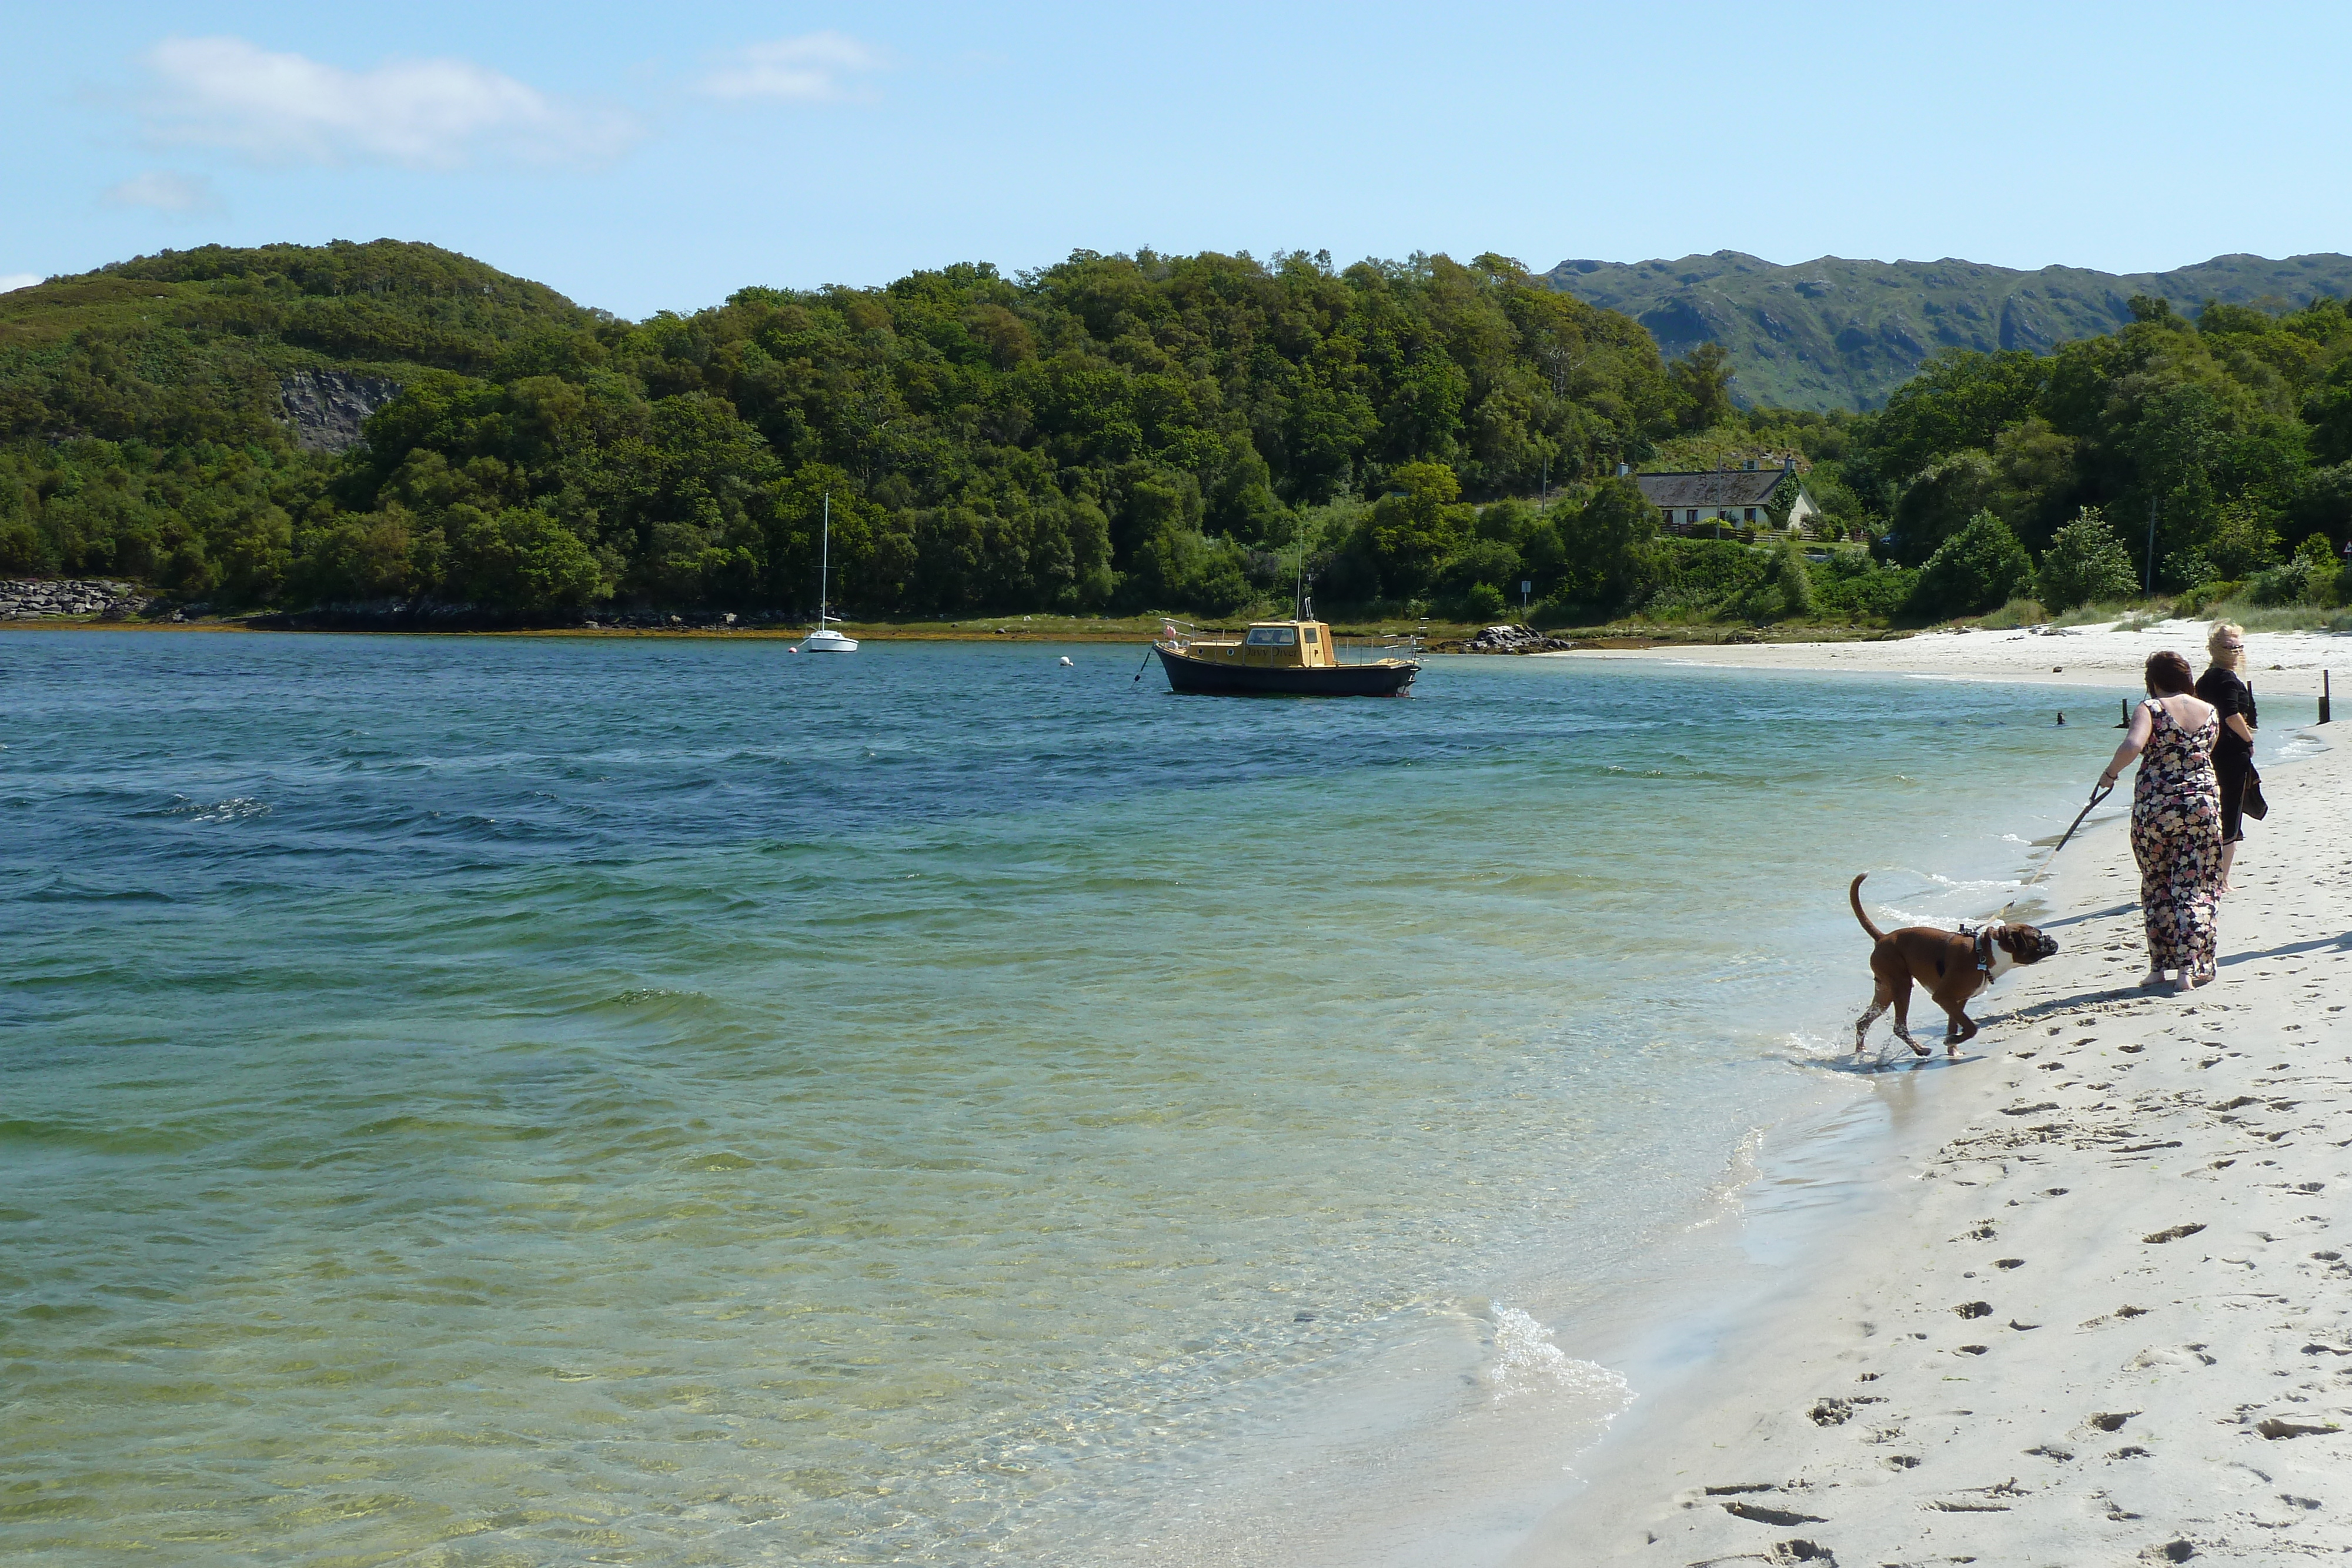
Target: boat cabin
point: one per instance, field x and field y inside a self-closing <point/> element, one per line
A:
<point x="1271" y="644"/>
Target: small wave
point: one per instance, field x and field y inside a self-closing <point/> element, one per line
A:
<point x="1945" y="921"/>
<point x="1968" y="884"/>
<point x="64" y="889"/>
<point x="654" y="1001"/>
<point x="1527" y="1362"/>
<point x="1739" y="1167"/>
<point x="234" y="810"/>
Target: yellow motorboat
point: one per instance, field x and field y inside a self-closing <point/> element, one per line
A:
<point x="1276" y="658"/>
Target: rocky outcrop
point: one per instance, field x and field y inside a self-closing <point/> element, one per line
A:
<point x="326" y="408"/>
<point x="40" y="599"/>
<point x="1515" y="640"/>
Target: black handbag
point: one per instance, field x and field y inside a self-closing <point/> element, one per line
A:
<point x="2251" y="803"/>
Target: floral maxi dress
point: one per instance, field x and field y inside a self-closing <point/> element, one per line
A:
<point x="2176" y="835"/>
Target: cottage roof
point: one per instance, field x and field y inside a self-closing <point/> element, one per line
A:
<point x="1711" y="488"/>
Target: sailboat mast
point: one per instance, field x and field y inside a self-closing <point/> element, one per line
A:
<point x="824" y="562"/>
<point x="1298" y="596"/>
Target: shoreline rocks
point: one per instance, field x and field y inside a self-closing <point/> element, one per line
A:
<point x="1520" y="639"/>
<point x="41" y="599"/>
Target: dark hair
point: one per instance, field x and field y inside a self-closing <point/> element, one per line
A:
<point x="2168" y="674"/>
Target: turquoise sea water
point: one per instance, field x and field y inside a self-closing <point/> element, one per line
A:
<point x="506" y="1101"/>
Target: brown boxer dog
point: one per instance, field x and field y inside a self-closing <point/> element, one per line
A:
<point x="1952" y="964"/>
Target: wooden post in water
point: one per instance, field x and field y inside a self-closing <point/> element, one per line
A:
<point x="2323" y="696"/>
<point x="2125" y="702"/>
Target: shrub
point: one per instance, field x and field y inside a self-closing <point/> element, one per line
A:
<point x="1699" y="577"/>
<point x="1851" y="584"/>
<point x="20" y="548"/>
<point x="1482" y="601"/>
<point x="2287" y="583"/>
<point x="2325" y="584"/>
<point x="2198" y="600"/>
<point x="2241" y="542"/>
<point x="1970" y="572"/>
<point x="2019" y="612"/>
<point x="2085" y="561"/>
<point x="1795" y="583"/>
<point x="2188" y="568"/>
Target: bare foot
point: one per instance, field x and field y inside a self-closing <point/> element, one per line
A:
<point x="2185" y="984"/>
<point x="2152" y="980"/>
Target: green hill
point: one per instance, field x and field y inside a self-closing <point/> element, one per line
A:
<point x="1832" y="333"/>
<point x="290" y="426"/>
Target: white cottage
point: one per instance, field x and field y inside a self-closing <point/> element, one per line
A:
<point x="1738" y="498"/>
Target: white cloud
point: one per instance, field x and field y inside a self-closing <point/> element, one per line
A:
<point x="812" y="70"/>
<point x="184" y="195"/>
<point x="11" y="281"/>
<point x="225" y="93"/>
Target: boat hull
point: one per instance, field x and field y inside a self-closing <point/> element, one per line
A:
<point x="1204" y="677"/>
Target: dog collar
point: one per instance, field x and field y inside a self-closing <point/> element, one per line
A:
<point x="1984" y="948"/>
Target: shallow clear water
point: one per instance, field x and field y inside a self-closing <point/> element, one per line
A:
<point x="512" y="1101"/>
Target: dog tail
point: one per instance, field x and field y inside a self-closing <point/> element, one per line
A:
<point x="1853" y="894"/>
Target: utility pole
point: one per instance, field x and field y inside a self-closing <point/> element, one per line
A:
<point x="2151" y="546"/>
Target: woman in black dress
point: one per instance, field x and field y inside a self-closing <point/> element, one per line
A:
<point x="2233" y="752"/>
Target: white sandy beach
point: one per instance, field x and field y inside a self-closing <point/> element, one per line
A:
<point x="2280" y="663"/>
<point x="2101" y="1308"/>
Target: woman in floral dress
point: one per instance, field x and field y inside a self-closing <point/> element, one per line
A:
<point x="2176" y="829"/>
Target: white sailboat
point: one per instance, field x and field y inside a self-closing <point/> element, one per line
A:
<point x="825" y="638"/>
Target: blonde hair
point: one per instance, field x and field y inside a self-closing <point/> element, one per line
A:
<point x="2227" y="658"/>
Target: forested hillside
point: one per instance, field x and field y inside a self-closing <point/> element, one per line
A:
<point x="2012" y="474"/>
<point x="1120" y="431"/>
<point x="1114" y="434"/>
<point x="1832" y="333"/>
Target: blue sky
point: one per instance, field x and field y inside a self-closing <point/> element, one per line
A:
<point x="641" y="158"/>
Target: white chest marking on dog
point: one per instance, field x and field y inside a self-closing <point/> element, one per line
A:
<point x="2003" y="961"/>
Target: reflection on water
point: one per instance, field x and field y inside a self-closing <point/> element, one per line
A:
<point x="537" y="1100"/>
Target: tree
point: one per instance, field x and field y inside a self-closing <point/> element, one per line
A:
<point x="2085" y="562"/>
<point x="1702" y="382"/>
<point x="520" y="561"/>
<point x="2328" y="410"/>
<point x="1602" y="543"/>
<point x="1976" y="570"/>
<point x="1938" y="504"/>
<point x="2240" y="541"/>
<point x="1416" y="528"/>
<point x="1958" y="402"/>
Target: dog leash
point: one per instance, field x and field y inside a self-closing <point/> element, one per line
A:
<point x="2098" y="793"/>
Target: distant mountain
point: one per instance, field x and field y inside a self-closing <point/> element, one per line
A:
<point x="1843" y="334"/>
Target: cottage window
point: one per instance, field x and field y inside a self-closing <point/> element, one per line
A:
<point x="1751" y="515"/>
<point x="1692" y="515"/>
<point x="1670" y="514"/>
